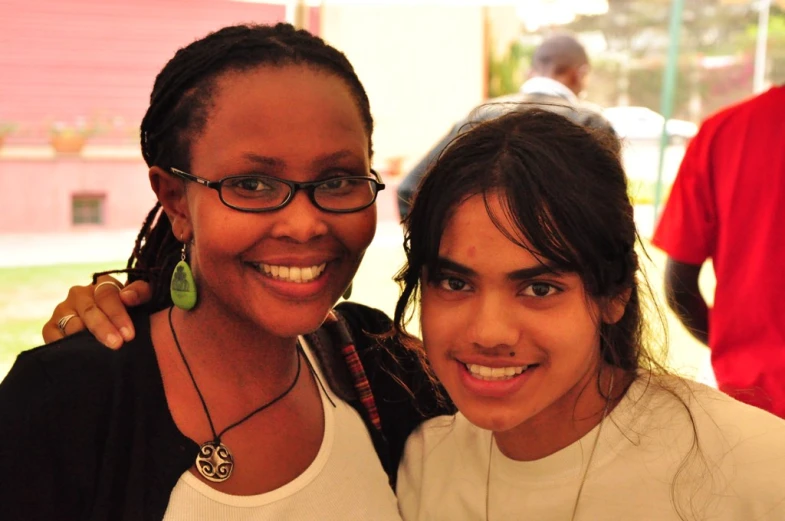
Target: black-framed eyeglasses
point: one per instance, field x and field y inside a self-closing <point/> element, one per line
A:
<point x="261" y="193"/>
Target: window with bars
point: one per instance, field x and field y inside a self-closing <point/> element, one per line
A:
<point x="87" y="209"/>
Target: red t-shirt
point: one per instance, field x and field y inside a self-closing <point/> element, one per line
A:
<point x="728" y="204"/>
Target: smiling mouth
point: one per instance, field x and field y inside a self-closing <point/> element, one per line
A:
<point x="296" y="274"/>
<point x="494" y="374"/>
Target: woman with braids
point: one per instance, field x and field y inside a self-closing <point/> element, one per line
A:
<point x="224" y="405"/>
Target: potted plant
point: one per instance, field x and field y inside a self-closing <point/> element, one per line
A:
<point x="6" y="128"/>
<point x="70" y="138"/>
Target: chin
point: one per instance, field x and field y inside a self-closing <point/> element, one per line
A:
<point x="289" y="321"/>
<point x="302" y="325"/>
<point x="492" y="422"/>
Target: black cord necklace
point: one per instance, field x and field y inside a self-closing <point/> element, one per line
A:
<point x="214" y="460"/>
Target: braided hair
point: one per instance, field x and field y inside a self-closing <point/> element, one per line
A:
<point x="179" y="109"/>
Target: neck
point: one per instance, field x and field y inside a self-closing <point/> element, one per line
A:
<point x="233" y="352"/>
<point x="566" y="421"/>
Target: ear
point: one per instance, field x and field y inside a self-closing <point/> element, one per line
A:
<point x="170" y="192"/>
<point x="616" y="306"/>
<point x="576" y="78"/>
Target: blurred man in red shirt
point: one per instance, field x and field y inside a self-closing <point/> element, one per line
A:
<point x="728" y="204"/>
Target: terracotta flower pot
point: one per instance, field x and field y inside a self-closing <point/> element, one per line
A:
<point x="68" y="143"/>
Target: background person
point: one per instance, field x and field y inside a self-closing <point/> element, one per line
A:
<point x="727" y="204"/>
<point x="558" y="74"/>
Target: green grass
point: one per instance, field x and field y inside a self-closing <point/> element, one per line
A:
<point x="28" y="296"/>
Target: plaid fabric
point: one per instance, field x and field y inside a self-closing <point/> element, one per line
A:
<point x="340" y="332"/>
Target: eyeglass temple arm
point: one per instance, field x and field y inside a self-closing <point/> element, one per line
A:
<point x="195" y="179"/>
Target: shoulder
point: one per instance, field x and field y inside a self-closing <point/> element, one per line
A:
<point x="446" y="445"/>
<point x="744" y="428"/>
<point x="77" y="372"/>
<point x="746" y="116"/>
<point x="375" y="339"/>
<point x="443" y="446"/>
<point x="724" y="411"/>
<point x="54" y="392"/>
<point x="708" y="407"/>
<point x="60" y="364"/>
<point x="743" y="445"/>
<point x="450" y="431"/>
<point x="746" y="443"/>
<point x="391" y="362"/>
<point x="364" y="320"/>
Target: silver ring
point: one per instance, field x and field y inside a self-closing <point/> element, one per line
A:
<point x="111" y="282"/>
<point x="63" y="321"/>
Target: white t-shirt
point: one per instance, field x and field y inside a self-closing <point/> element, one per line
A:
<point x="736" y="471"/>
<point x="344" y="482"/>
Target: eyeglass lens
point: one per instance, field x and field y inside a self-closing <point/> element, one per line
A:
<point x="258" y="193"/>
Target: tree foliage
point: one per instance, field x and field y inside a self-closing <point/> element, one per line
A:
<point x="716" y="58"/>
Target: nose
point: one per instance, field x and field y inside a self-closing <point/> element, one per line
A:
<point x="300" y="220"/>
<point x="492" y="324"/>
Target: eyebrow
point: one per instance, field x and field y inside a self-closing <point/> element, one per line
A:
<point x="270" y="162"/>
<point x="278" y="165"/>
<point x="522" y="274"/>
<point x="327" y="159"/>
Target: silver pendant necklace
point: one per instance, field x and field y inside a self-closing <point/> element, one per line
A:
<point x="585" y="472"/>
<point x="215" y="461"/>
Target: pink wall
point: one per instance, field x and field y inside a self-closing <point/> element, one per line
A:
<point x="63" y="60"/>
<point x="35" y="195"/>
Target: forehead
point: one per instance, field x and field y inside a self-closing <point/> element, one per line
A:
<point x="472" y="238"/>
<point x="280" y="111"/>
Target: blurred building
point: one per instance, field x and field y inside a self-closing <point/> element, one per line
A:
<point x="85" y="68"/>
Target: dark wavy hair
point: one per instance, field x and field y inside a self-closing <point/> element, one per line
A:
<point x="180" y="106"/>
<point x="564" y="188"/>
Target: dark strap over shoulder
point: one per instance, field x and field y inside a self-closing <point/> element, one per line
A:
<point x="325" y="343"/>
<point x="382" y="379"/>
<point x="342" y="366"/>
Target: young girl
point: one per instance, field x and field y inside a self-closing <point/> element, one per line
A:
<point x="520" y="249"/>
<point x="258" y="143"/>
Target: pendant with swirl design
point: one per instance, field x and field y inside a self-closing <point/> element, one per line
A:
<point x="214" y="461"/>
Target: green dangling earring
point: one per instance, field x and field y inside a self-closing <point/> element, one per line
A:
<point x="348" y="292"/>
<point x="183" y="287"/>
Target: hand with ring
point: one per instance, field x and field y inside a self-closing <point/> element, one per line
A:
<point x="101" y="308"/>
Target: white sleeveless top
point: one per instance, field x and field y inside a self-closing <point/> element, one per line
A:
<point x="344" y="482"/>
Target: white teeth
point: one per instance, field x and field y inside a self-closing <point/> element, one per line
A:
<point x="495" y="373"/>
<point x="293" y="273"/>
